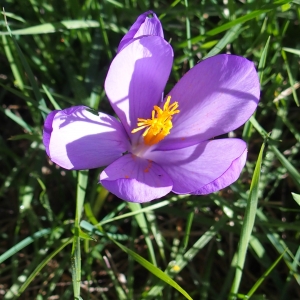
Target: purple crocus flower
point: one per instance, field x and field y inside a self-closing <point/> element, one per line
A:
<point x="159" y="145"/>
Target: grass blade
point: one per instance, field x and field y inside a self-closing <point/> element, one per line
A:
<point x="30" y="75"/>
<point x="263" y="277"/>
<point x="43" y="264"/>
<point x="15" y="249"/>
<point x="230" y="35"/>
<point x="247" y="227"/>
<point x="289" y="167"/>
<point x="54" y="27"/>
<point x="76" y="253"/>
<point x="154" y="270"/>
<point x="240" y="20"/>
<point x="141" y="220"/>
<point x="146" y="264"/>
<point x="296" y="198"/>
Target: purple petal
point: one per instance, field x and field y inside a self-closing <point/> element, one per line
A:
<point x="144" y="25"/>
<point x="216" y="96"/>
<point x="79" y="138"/>
<point x="48" y="130"/>
<point x="135" y="179"/>
<point x="137" y="77"/>
<point x="228" y="177"/>
<point x="203" y="168"/>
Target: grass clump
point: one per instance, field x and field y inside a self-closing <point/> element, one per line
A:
<point x="239" y="243"/>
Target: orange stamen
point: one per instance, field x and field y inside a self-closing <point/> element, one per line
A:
<point x="159" y="126"/>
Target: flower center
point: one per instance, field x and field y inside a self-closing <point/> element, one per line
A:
<point x="159" y="125"/>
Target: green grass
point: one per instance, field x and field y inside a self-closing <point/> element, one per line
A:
<point x="63" y="236"/>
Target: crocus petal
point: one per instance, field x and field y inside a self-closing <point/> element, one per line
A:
<point x="227" y="178"/>
<point x="144" y="25"/>
<point x="136" y="179"/>
<point x="203" y="168"/>
<point x="48" y="130"/>
<point x="137" y="77"/>
<point x="216" y="96"/>
<point x="79" y="138"/>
